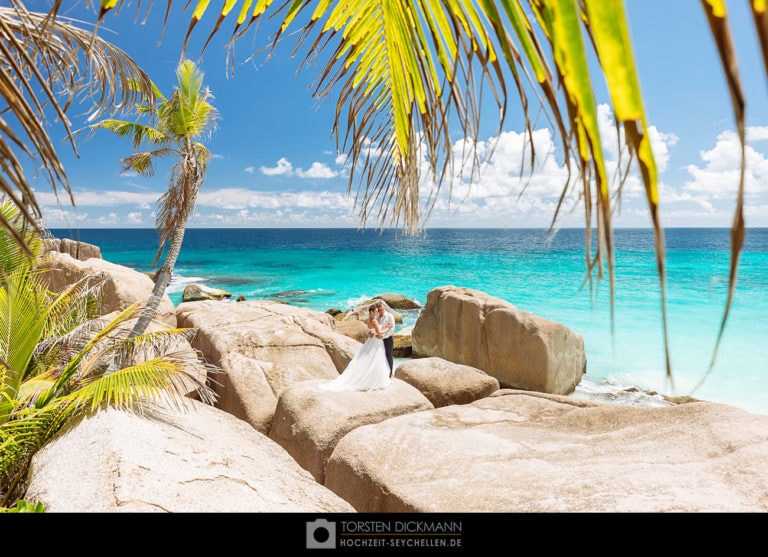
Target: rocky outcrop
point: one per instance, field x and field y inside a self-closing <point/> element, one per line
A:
<point x="81" y="251"/>
<point x="353" y="328"/>
<point x="198" y="292"/>
<point x="263" y="347"/>
<point x="392" y="450"/>
<point x="402" y="343"/>
<point x="123" y="286"/>
<point x="193" y="459"/>
<point x="445" y="383"/>
<point x="442" y="438"/>
<point x="521" y="350"/>
<point x="518" y="451"/>
<point x="310" y="421"/>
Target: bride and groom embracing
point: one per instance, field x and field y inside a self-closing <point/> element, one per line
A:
<point x="371" y="368"/>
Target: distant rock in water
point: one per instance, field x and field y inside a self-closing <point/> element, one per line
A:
<point x="197" y="292"/>
<point x="398" y="301"/>
<point x="293" y="297"/>
<point x="289" y="294"/>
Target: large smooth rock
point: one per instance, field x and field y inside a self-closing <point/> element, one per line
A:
<point x="123" y="287"/>
<point x="445" y="383"/>
<point x="262" y="348"/>
<point x="200" y="460"/>
<point x="309" y="421"/>
<point x="353" y="328"/>
<point x="521" y="350"/>
<point x="517" y="451"/>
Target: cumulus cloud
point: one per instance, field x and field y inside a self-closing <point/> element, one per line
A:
<point x="283" y="168"/>
<point x="108" y="198"/>
<point x="134" y="218"/>
<point x="757" y="133"/>
<point x="717" y="177"/>
<point x="506" y="189"/>
<point x="317" y="170"/>
<point x="238" y="199"/>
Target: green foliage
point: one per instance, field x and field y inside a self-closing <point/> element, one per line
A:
<point x="12" y="253"/>
<point x="25" y="507"/>
<point x="59" y="361"/>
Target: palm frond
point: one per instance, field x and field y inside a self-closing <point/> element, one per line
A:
<point x="22" y="322"/>
<point x="48" y="64"/>
<point x="131" y="386"/>
<point x="718" y="23"/>
<point x="13" y="253"/>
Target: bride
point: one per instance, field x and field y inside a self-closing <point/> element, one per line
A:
<point x="369" y="369"/>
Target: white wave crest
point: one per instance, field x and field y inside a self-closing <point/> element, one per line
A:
<point x="179" y="282"/>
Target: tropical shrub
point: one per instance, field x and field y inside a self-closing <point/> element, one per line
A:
<point x="60" y="361"/>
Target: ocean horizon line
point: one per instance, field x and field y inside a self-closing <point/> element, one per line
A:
<point x="398" y="229"/>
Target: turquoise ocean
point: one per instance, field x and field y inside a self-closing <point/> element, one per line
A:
<point x="322" y="269"/>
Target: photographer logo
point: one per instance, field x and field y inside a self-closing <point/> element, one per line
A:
<point x="321" y="534"/>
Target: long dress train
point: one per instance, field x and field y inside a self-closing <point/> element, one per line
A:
<point x="367" y="371"/>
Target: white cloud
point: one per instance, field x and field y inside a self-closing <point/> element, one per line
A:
<point x="110" y="219"/>
<point x="757" y="133"/>
<point x="283" y="168"/>
<point x="507" y="190"/>
<point x="109" y="198"/>
<point x="718" y="176"/>
<point x="238" y="199"/>
<point x="317" y="170"/>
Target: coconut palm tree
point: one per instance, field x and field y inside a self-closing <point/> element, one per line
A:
<point x="59" y="360"/>
<point x="174" y="126"/>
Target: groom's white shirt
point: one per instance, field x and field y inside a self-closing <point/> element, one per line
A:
<point x="386" y="324"/>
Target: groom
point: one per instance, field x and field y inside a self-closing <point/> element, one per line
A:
<point x="387" y="326"/>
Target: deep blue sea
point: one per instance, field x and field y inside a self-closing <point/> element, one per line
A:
<point x="338" y="268"/>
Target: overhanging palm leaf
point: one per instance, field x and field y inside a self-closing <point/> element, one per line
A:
<point x="45" y="70"/>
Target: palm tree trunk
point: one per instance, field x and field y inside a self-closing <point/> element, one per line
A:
<point x="162" y="280"/>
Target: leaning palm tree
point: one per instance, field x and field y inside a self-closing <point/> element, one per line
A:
<point x="59" y="360"/>
<point x="174" y="126"/>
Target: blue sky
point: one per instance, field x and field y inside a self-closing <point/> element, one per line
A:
<point x="276" y="164"/>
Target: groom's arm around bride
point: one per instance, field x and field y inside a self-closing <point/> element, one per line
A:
<point x="387" y="325"/>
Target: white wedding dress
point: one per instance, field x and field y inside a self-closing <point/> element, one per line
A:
<point x="367" y="371"/>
